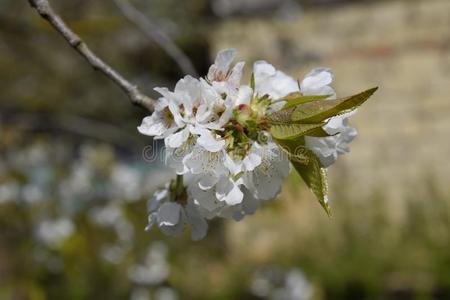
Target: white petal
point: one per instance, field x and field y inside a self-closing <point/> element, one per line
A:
<point x="153" y="125"/>
<point x="317" y="78"/>
<point x="226" y="115"/>
<point x="176" y="157"/>
<point x="161" y="104"/>
<point x="164" y="92"/>
<point x="234" y="167"/>
<point x="221" y="64"/>
<point x="249" y="204"/>
<point x="152" y="219"/>
<point x="234" y="197"/>
<point x="274" y="83"/>
<point x="324" y="148"/>
<point x="198" y="223"/>
<point x="207" y="181"/>
<point x="244" y="95"/>
<point x="236" y="75"/>
<point x="207" y="141"/>
<point x="283" y="84"/>
<point x="205" y="198"/>
<point x="169" y="214"/>
<point x="251" y="161"/>
<point x="328" y="148"/>
<point x="158" y="197"/>
<point x="334" y="125"/>
<point x="267" y="188"/>
<point x="317" y="83"/>
<point x="189" y="87"/>
<point x="203" y="113"/>
<point x="225" y="57"/>
<point x="265" y="181"/>
<point x="262" y="69"/>
<point x="176" y="230"/>
<point x="175" y="110"/>
<point x="177" y="139"/>
<point x="228" y="191"/>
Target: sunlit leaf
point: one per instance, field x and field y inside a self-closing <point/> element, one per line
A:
<point x="281" y="117"/>
<point x="318" y="111"/>
<point x="308" y="166"/>
<point x="315" y="178"/>
<point x="319" y="132"/>
<point x="292" y="131"/>
<point x="296" y="98"/>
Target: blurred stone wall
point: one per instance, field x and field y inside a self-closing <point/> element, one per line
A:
<point x="401" y="46"/>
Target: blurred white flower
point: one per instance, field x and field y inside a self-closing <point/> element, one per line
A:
<point x="113" y="253"/>
<point x="9" y="192"/>
<point x="111" y="215"/>
<point x="32" y="193"/>
<point x="54" y="232"/>
<point x="155" y="268"/>
<point x="140" y="294"/>
<point x="126" y="182"/>
<point x="166" y="293"/>
<point x="276" y="284"/>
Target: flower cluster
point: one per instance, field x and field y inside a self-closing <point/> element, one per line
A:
<point x="231" y="144"/>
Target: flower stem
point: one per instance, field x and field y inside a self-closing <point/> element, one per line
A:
<point x="179" y="189"/>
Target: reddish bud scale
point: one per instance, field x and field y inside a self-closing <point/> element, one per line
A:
<point x="239" y="127"/>
<point x="243" y="107"/>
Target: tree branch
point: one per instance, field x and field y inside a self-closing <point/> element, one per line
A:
<point x="45" y="10"/>
<point x="152" y="31"/>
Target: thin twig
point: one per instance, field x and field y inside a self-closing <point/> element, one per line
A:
<point x="152" y="31"/>
<point x="45" y="10"/>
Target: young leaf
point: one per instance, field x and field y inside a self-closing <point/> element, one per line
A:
<point x="319" y="132"/>
<point x="308" y="166"/>
<point x="315" y="178"/>
<point x="292" y="131"/>
<point x="281" y="116"/>
<point x="296" y="98"/>
<point x="318" y="111"/>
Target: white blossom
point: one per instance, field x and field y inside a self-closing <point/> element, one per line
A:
<point x="222" y="77"/>
<point x="172" y="217"/>
<point x="328" y="148"/>
<point x="272" y="82"/>
<point x="266" y="179"/>
<point x="317" y="82"/>
<point x="216" y="139"/>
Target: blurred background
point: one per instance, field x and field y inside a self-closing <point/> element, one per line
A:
<point x="75" y="174"/>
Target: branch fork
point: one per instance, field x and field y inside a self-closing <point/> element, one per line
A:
<point x="136" y="97"/>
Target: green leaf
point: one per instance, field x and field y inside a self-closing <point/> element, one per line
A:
<point x="319" y="132"/>
<point x="308" y="166"/>
<point x="296" y="98"/>
<point x="281" y="117"/>
<point x="252" y="82"/>
<point x="318" y="111"/>
<point x="295" y="149"/>
<point x="315" y="178"/>
<point x="292" y="131"/>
